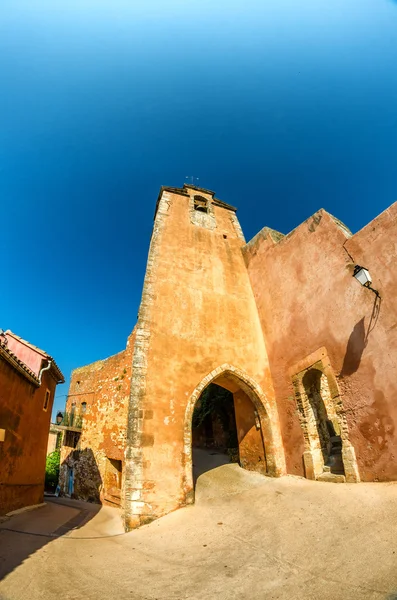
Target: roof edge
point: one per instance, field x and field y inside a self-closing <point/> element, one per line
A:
<point x="172" y="190"/>
<point x="183" y="192"/>
<point x="198" y="189"/>
<point x="54" y="367"/>
<point x="19" y="366"/>
<point x="222" y="204"/>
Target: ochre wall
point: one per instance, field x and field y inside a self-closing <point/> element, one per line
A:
<point x="23" y="453"/>
<point x="105" y="387"/>
<point x="251" y="447"/>
<point x="308" y="299"/>
<point x="197" y="313"/>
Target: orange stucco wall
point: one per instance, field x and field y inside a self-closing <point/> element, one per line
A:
<point x="307" y="299"/>
<point x="26" y="424"/>
<point x="249" y="435"/>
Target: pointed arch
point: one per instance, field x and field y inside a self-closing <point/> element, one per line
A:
<point x="312" y="458"/>
<point x="233" y="378"/>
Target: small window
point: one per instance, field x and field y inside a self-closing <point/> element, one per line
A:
<point x="83" y="407"/>
<point x="72" y="439"/>
<point x="46" y="399"/>
<point x="200" y="204"/>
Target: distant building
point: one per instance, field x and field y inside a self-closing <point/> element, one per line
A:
<point x="94" y="441"/>
<point x="307" y="355"/>
<point x="28" y="378"/>
<point x="55" y="436"/>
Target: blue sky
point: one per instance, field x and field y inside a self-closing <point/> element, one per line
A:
<point x="281" y="107"/>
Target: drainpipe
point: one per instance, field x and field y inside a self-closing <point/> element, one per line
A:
<point x="45" y="369"/>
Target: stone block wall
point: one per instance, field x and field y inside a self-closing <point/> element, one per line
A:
<point x="105" y="388"/>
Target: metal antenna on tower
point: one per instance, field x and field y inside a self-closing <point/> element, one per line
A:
<point x="192" y="179"/>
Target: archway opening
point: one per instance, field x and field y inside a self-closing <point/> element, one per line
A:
<point x="226" y="426"/>
<point x="324" y="430"/>
<point x="214" y="431"/>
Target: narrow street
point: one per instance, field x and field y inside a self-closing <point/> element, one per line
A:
<point x="247" y="536"/>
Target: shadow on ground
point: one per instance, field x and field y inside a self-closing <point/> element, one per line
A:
<point x="23" y="534"/>
<point x="247" y="536"/>
<point x="205" y="459"/>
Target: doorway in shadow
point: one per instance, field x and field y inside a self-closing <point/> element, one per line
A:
<point x="214" y="431"/>
<point x="227" y="420"/>
<point x="324" y="435"/>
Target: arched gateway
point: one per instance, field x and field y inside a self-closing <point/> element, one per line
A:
<point x="257" y="450"/>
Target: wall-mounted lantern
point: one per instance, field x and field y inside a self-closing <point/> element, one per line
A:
<point x="59" y="418"/>
<point x="362" y="275"/>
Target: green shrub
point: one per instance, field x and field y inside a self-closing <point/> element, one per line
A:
<point x="52" y="469"/>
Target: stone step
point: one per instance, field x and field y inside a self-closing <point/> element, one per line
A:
<point x="331" y="478"/>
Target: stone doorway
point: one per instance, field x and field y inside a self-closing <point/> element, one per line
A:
<point x="328" y="455"/>
<point x="323" y="425"/>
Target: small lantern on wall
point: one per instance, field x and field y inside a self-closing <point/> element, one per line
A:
<point x="362" y="275"/>
<point x="59" y="418"/>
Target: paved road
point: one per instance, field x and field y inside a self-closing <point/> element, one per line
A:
<point x="247" y="536"/>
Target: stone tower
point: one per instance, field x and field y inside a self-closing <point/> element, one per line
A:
<point x="198" y="323"/>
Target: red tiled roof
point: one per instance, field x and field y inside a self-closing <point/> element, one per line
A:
<point x="54" y="367"/>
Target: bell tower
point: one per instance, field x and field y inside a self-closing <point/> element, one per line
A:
<point x="198" y="323"/>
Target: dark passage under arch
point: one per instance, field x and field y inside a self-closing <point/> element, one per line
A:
<point x="226" y="428"/>
<point x="214" y="430"/>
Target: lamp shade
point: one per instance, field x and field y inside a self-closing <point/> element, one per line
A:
<point x="362" y="275"/>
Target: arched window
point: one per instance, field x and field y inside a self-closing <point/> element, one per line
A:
<point x="200" y="204"/>
<point x="83" y="407"/>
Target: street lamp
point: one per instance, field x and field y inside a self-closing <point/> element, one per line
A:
<point x="362" y="275"/>
<point x="59" y="418"/>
